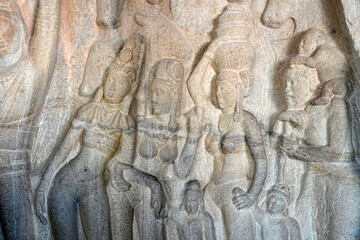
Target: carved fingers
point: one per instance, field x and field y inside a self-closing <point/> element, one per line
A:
<point x="116" y="177"/>
<point x="241" y="199"/>
<point x="288" y="146"/>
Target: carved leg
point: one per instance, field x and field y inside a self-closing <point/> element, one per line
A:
<point x="122" y="214"/>
<point x="95" y="213"/>
<point x="344" y="205"/>
<point x="238" y="224"/>
<point x="15" y="206"/>
<point x="63" y="214"/>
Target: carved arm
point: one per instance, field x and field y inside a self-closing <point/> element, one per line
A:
<point x="44" y="42"/>
<point x="255" y="142"/>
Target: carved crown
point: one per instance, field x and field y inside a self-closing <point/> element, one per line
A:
<point x="130" y="58"/>
<point x="234" y="22"/>
<point x="171" y="73"/>
<point x="280" y="189"/>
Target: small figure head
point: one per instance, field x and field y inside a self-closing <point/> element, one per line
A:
<point x="193" y="198"/>
<point x="122" y="74"/>
<point x="278" y="199"/>
<point x="310" y="41"/>
<point x="301" y="83"/>
<point x="276" y="13"/>
<point x="12" y="30"/>
<point x="231" y="88"/>
<point x="166" y="87"/>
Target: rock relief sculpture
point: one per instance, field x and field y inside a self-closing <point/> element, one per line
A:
<point x="235" y="141"/>
<point x="163" y="158"/>
<point x="26" y="67"/>
<point x="318" y="138"/>
<point x="76" y="175"/>
<point x="192" y="221"/>
<point x="274" y="222"/>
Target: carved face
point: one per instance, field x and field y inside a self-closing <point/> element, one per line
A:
<point x="226" y="91"/>
<point x="276" y="204"/>
<point x="276" y="13"/>
<point x="10" y="39"/>
<point x="308" y="44"/>
<point x="162" y="99"/>
<point x="298" y="89"/>
<point x="192" y="201"/>
<point x="117" y="86"/>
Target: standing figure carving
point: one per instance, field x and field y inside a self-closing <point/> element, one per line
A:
<point x="192" y="221"/>
<point x="26" y="67"/>
<point x="327" y="206"/>
<point x="163" y="159"/>
<point x="236" y="144"/>
<point x="96" y="134"/>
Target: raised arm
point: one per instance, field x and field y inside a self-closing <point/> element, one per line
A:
<point x="197" y="78"/>
<point x="44" y="42"/>
<point x="187" y="158"/>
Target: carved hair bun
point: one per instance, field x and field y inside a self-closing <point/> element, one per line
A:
<point x="280" y="189"/>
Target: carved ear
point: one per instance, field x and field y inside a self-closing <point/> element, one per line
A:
<point x="246" y="82"/>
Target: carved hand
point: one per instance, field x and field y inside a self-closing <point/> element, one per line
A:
<point x="297" y="118"/>
<point x="242" y="199"/>
<point x="40" y="207"/>
<point x="116" y="177"/>
<point x="288" y="146"/>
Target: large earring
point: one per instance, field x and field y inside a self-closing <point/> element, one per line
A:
<point x="239" y="106"/>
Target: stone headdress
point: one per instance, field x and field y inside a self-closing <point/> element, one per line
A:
<point x="170" y="73"/>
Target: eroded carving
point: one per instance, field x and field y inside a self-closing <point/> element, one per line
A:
<point x="93" y="139"/>
<point x="185" y="98"/>
<point x="26" y="67"/>
<point x="319" y="160"/>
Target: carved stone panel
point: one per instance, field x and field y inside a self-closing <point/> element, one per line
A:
<point x="180" y="119"/>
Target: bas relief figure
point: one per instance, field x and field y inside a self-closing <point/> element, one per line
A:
<point x="159" y="112"/>
<point x="26" y="67"/>
<point x="275" y="224"/>
<point x="94" y="138"/>
<point x="163" y="156"/>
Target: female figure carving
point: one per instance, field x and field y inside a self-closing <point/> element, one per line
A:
<point x="236" y="144"/>
<point x="331" y="180"/>
<point x="158" y="163"/>
<point x="94" y="138"/>
<point x="26" y="67"/>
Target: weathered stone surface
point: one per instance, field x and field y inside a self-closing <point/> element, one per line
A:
<point x="180" y="119"/>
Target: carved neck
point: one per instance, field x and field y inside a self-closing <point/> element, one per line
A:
<point x="111" y="106"/>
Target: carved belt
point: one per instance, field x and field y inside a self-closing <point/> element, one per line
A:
<point x="13" y="160"/>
